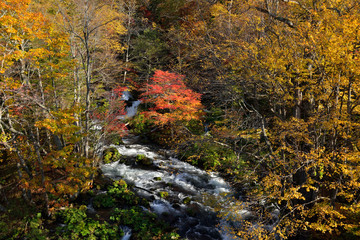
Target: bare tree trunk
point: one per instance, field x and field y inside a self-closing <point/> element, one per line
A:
<point x="85" y="29"/>
<point x="298" y="101"/>
<point x="42" y="173"/>
<point x="130" y="9"/>
<point x="349" y="93"/>
<point x="24" y="78"/>
<point x="21" y="165"/>
<point x="87" y="69"/>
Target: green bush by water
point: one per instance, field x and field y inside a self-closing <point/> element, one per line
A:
<point x="209" y="155"/>
<point x="144" y="225"/>
<point x="76" y="225"/>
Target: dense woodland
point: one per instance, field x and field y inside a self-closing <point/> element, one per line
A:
<point x="266" y="92"/>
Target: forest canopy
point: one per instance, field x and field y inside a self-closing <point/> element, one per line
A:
<point x="266" y="92"/>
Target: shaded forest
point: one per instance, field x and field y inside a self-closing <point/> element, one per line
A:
<point x="265" y="92"/>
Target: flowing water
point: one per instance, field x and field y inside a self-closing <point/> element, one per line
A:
<point x="187" y="188"/>
<point x="185" y="184"/>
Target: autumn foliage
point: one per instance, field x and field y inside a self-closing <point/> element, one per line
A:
<point x="43" y="128"/>
<point x="170" y="100"/>
<point x="112" y="114"/>
<point x="280" y="82"/>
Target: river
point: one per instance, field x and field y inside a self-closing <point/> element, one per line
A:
<point x="187" y="188"/>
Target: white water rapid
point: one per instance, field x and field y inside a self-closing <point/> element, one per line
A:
<point x="187" y="188"/>
<point x="185" y="184"/>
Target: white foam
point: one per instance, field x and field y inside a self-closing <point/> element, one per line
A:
<point x="172" y="171"/>
<point x="220" y="185"/>
<point x="90" y="208"/>
<point x="126" y="95"/>
<point x="178" y="178"/>
<point x="140" y="177"/>
<point x="162" y="206"/>
<point x="132" y="110"/>
<point x="127" y="232"/>
<point x="134" y="150"/>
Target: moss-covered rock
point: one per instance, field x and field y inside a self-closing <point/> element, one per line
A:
<point x="163" y="194"/>
<point x="187" y="200"/>
<point x="143" y="160"/>
<point x="194" y="209"/>
<point x="111" y="155"/>
<point x="157" y="178"/>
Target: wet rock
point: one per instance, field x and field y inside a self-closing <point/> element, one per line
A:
<point x="90" y="209"/>
<point x="194" y="209"/>
<point x="143" y="160"/>
<point x="177" y="206"/>
<point x="102" y="181"/>
<point x="208" y="232"/>
<point x="192" y="222"/>
<point x="170" y="217"/>
<point x="110" y="155"/>
<point x="198" y="236"/>
<point x="130" y="139"/>
<point x="178" y="188"/>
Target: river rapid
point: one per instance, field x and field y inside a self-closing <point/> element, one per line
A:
<point x="189" y="190"/>
<point x="186" y="187"/>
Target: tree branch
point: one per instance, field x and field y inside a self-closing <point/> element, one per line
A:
<point x="281" y="19"/>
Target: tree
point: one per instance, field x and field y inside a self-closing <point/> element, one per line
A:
<point x="37" y="125"/>
<point x="307" y="71"/>
<point x="171" y="103"/>
<point x="34" y="60"/>
<point x="94" y="27"/>
<point x="111" y="115"/>
<point x="292" y="66"/>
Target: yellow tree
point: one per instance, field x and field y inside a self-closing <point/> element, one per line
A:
<point x="94" y="28"/>
<point x="34" y="57"/>
<point x="306" y="61"/>
<point x="295" y="64"/>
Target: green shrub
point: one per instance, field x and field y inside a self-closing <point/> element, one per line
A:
<point x="210" y="155"/>
<point x="20" y="222"/>
<point x="35" y="229"/>
<point x="30" y="227"/>
<point x="119" y="191"/>
<point x="117" y="194"/>
<point x="140" y="157"/>
<point x="78" y="226"/>
<point x="140" y="125"/>
<point x="103" y="201"/>
<point x="145" y="225"/>
<point x="187" y="200"/>
<point x="115" y="139"/>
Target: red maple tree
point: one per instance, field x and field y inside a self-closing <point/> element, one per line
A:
<point x="170" y="100"/>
